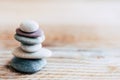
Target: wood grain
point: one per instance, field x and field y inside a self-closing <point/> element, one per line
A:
<point x="66" y="68"/>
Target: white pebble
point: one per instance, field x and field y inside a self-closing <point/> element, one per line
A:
<point x="31" y="48"/>
<point x="42" y="53"/>
<point x="29" y="26"/>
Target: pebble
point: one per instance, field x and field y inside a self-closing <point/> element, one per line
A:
<point x="37" y="33"/>
<point x="42" y="53"/>
<point x="31" y="48"/>
<point x="31" y="41"/>
<point x="28" y="65"/>
<point x="29" y="26"/>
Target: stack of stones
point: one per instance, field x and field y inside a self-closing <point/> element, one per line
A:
<point x="30" y="56"/>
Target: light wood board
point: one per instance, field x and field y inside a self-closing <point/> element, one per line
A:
<point x="67" y="68"/>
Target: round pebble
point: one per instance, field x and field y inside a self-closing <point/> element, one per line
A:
<point x="31" y="48"/>
<point x="42" y="53"/>
<point x="37" y="33"/>
<point x="27" y="40"/>
<point x="29" y="26"/>
<point x="28" y="65"/>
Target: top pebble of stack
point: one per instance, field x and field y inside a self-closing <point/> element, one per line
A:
<point x="29" y="26"/>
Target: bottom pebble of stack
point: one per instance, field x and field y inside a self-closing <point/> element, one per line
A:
<point x="28" y="65"/>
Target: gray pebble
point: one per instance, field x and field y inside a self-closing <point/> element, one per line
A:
<point x="28" y="65"/>
<point x="27" y="40"/>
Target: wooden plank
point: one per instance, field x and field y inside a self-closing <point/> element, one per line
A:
<point x="67" y="68"/>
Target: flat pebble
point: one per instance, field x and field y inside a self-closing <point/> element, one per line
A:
<point x="37" y="33"/>
<point x="31" y="48"/>
<point x="29" y="26"/>
<point x="31" y="41"/>
<point x="28" y="65"/>
<point x="42" y="53"/>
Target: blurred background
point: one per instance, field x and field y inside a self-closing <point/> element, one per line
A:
<point x="75" y="23"/>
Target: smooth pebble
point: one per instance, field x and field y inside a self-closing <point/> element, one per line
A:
<point x="29" y="26"/>
<point x="31" y="48"/>
<point x="37" y="33"/>
<point x="31" y="41"/>
<point x="42" y="53"/>
<point x="28" y="65"/>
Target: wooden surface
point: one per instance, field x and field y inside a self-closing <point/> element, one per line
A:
<point x="81" y="65"/>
